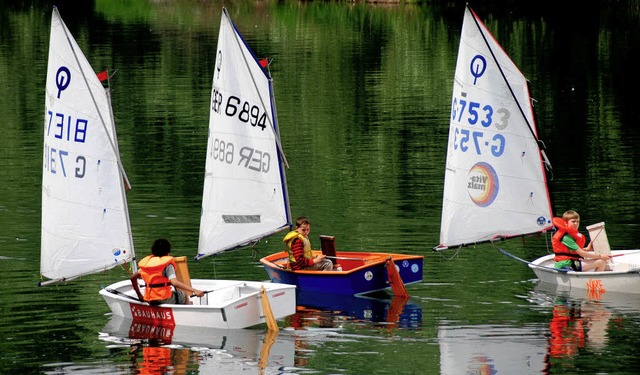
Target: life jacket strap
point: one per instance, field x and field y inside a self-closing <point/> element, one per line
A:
<point x="159" y="285"/>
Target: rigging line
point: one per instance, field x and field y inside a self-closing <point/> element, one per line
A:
<point x="559" y="270"/>
<point x="114" y="291"/>
<point x="477" y="22"/>
<point x="492" y="240"/>
<point x="107" y="91"/>
<point x="123" y="174"/>
<point x="272" y="126"/>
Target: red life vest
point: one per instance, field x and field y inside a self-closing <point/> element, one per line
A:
<point x="561" y="251"/>
<point x="158" y="287"/>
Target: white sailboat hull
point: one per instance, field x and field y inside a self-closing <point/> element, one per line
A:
<point x="624" y="276"/>
<point x="230" y="304"/>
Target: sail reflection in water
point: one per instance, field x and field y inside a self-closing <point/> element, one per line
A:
<point x="492" y="349"/>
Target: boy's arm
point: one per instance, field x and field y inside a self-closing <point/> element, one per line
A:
<point x="134" y="281"/>
<point x="180" y="285"/>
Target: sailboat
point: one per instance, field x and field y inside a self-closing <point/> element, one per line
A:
<point x="360" y="273"/>
<point x="245" y="193"/>
<point x="495" y="186"/>
<point x="85" y="219"/>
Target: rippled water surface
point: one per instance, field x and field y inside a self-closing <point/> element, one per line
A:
<point x="363" y="95"/>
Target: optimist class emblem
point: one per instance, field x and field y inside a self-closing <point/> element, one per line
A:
<point x="483" y="184"/>
<point x="368" y="275"/>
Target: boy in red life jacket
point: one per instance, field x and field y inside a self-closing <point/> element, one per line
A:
<point x="158" y="271"/>
<point x="568" y="246"/>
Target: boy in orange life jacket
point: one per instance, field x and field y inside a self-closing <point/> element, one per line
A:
<point x="159" y="273"/>
<point x="568" y="246"/>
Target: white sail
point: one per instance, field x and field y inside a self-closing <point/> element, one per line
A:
<point x="245" y="196"/>
<point x="495" y="185"/>
<point x="85" y="222"/>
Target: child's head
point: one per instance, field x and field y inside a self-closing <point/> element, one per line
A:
<point x="569" y="215"/>
<point x="572" y="219"/>
<point x="302" y="220"/>
<point x="303" y="226"/>
<point x="160" y="247"/>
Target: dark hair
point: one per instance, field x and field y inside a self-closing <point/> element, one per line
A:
<point x="302" y="220"/>
<point x="160" y="247"/>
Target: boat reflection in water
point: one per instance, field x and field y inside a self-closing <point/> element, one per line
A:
<point x="320" y="318"/>
<point x="628" y="303"/>
<point x="181" y="349"/>
<point x="331" y="310"/>
<point x="582" y="324"/>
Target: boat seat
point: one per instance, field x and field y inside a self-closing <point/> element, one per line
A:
<point x="328" y="246"/>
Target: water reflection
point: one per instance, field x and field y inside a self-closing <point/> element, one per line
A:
<point x="581" y="324"/>
<point x="573" y="324"/>
<point x="320" y="321"/>
<point x="153" y="359"/>
<point x="155" y="349"/>
<point x="576" y="330"/>
<point x="491" y="349"/>
<point x="378" y="309"/>
<point x="364" y="100"/>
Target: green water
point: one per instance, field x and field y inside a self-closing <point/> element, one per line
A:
<point x="363" y="95"/>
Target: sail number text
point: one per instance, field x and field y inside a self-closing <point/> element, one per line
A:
<point x="238" y="108"/>
<point x="65" y="128"/>
<point x="247" y="157"/>
<point x="474" y="114"/>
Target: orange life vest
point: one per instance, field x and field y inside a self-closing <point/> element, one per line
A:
<point x="561" y="251"/>
<point x="156" y="360"/>
<point x="158" y="287"/>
